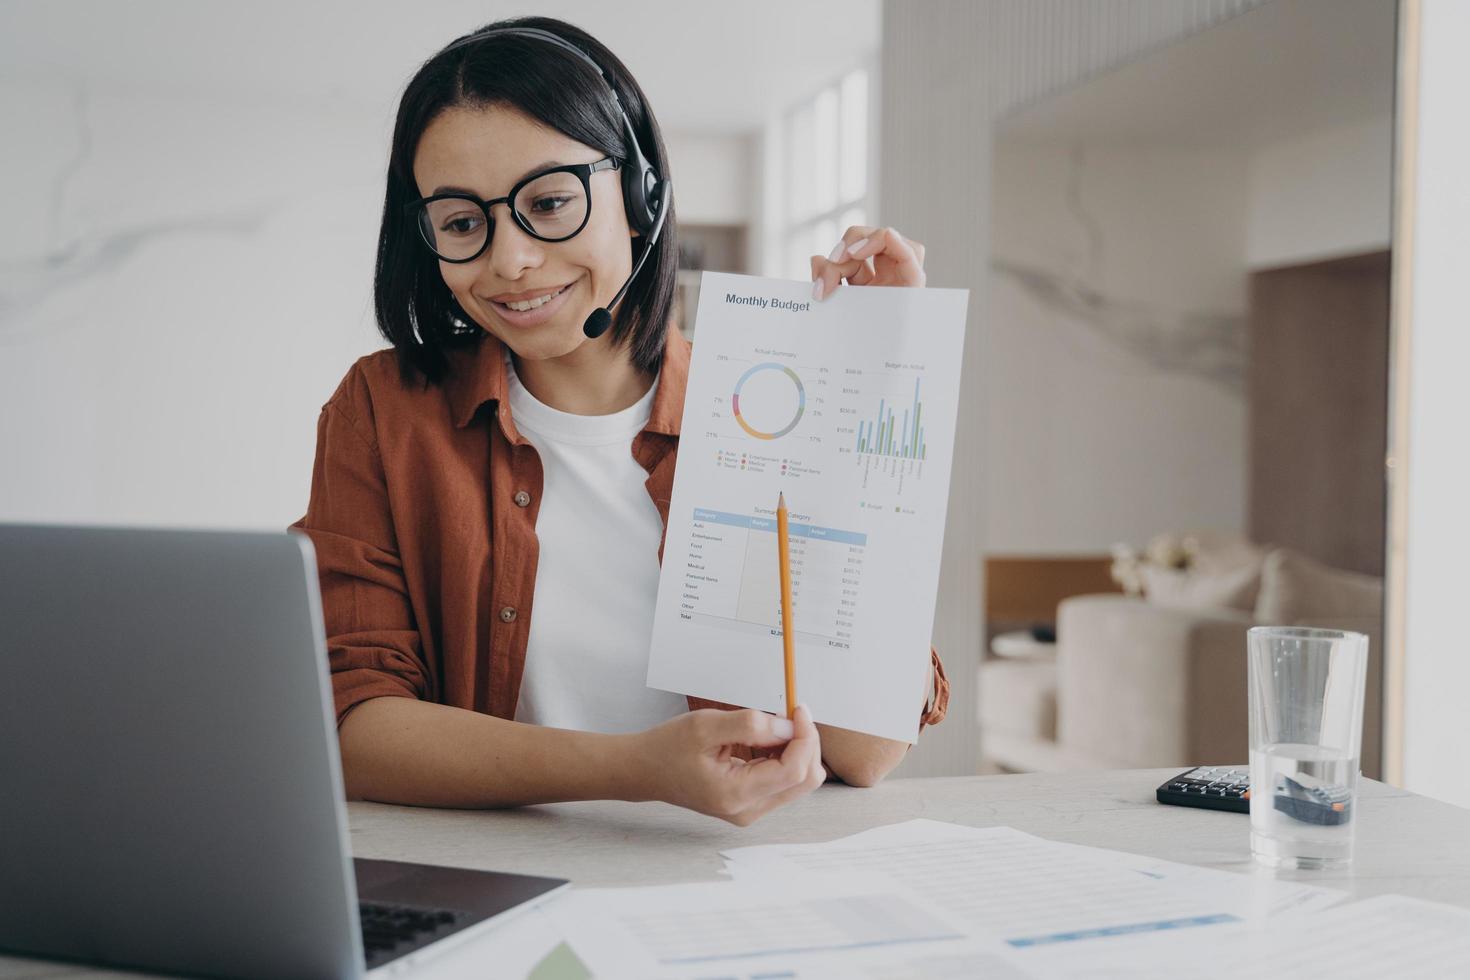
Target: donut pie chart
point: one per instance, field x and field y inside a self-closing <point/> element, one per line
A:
<point x="761" y="369"/>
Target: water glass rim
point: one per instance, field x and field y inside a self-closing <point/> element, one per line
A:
<point x="1303" y="633"/>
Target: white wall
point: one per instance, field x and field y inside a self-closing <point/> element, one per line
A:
<point x="1437" y="478"/>
<point x="714" y="176"/>
<point x="187" y="280"/>
<point x="1114" y="370"/>
<point x="1321" y="194"/>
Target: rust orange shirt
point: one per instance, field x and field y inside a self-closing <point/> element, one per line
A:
<point x="423" y="515"/>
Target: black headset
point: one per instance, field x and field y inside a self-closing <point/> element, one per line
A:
<point x="645" y="193"/>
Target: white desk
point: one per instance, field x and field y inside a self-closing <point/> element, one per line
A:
<point x="1406" y="843"/>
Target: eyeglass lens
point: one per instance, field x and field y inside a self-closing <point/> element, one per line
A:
<point x="552" y="207"/>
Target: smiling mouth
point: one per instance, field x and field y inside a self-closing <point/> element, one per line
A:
<point x="523" y="306"/>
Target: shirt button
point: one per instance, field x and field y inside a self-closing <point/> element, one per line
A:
<point x="522" y="498"/>
<point x="508" y="614"/>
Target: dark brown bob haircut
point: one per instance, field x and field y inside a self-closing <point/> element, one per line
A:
<point x="415" y="310"/>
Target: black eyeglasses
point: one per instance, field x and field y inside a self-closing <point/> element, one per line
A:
<point x="551" y="205"/>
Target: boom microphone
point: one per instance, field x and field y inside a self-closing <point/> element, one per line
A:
<point x="601" y="318"/>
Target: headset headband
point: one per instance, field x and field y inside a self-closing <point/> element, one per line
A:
<point x="643" y="187"/>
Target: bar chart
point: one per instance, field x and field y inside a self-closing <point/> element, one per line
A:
<point x="885" y="435"/>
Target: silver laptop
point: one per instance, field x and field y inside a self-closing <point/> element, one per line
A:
<point x="170" y="788"/>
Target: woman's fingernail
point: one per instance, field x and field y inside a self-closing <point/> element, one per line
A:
<point x="802" y="707"/>
<point x="855" y="246"/>
<point x="838" y="252"/>
<point x="817" y="290"/>
<point x="783" y="728"/>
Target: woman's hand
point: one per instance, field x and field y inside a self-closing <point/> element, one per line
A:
<point x="869" y="257"/>
<point x="689" y="761"/>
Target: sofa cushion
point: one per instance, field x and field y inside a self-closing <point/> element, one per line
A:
<point x="1226" y="588"/>
<point x="1221" y="551"/>
<point x="1142" y="685"/>
<point x="1298" y="591"/>
<point x="1019" y="696"/>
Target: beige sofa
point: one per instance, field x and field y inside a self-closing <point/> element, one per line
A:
<point x="1139" y="682"/>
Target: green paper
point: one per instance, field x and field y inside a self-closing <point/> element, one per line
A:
<point x="560" y="964"/>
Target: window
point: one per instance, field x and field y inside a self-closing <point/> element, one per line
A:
<point x="822" y="189"/>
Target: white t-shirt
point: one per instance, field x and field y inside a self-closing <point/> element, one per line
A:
<point x="596" y="573"/>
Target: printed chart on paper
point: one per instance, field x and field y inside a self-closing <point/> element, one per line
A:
<point x="848" y="408"/>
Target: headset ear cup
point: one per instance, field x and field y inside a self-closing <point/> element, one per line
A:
<point x="639" y="181"/>
<point x="635" y="203"/>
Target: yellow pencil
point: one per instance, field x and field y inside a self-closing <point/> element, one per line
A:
<point x="788" y="628"/>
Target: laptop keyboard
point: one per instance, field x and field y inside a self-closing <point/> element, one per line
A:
<point x="402" y="928"/>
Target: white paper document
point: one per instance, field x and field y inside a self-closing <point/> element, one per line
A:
<point x="1384" y="936"/>
<point x="847" y="406"/>
<point x="999" y="883"/>
<point x="811" y="926"/>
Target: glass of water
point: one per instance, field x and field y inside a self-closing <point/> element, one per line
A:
<point x="1306" y="730"/>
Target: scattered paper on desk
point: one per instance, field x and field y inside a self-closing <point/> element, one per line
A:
<point x="1384" y="936"/>
<point x="1272" y="897"/>
<point x="926" y="899"/>
<point x="733" y="928"/>
<point x="1000" y="883"/>
<point x="847" y="406"/>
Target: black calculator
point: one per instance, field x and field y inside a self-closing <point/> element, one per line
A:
<point x="1211" y="787"/>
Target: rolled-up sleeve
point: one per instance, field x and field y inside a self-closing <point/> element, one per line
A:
<point x="373" y="645"/>
<point x="938" y="704"/>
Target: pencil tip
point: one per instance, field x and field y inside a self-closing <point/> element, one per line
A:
<point x="781" y="499"/>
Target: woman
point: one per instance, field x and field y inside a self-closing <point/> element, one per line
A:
<point x="482" y="467"/>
